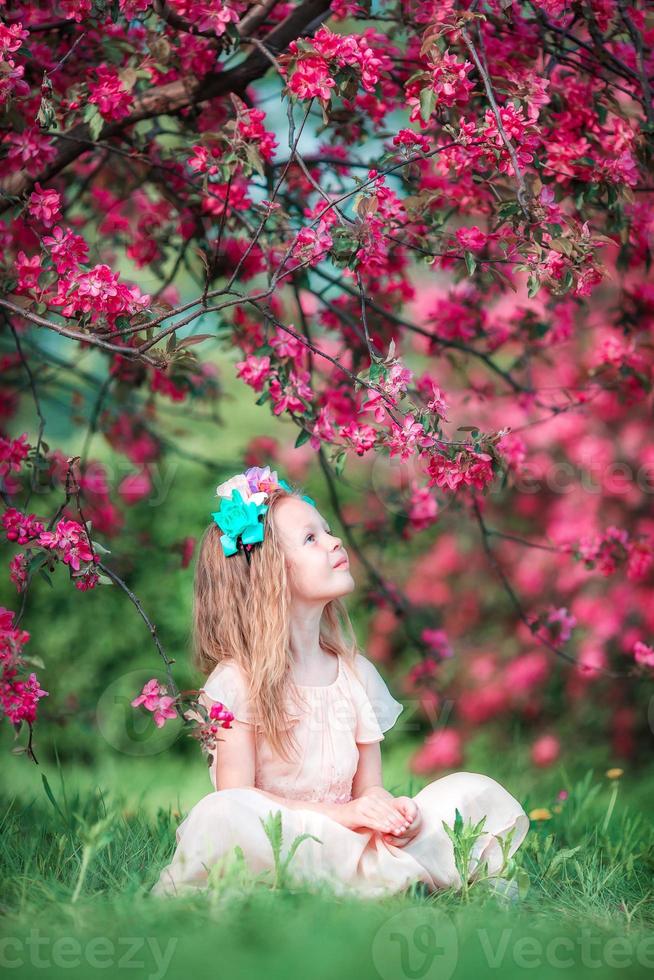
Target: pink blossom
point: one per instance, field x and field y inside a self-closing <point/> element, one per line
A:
<point x="87" y="580"/>
<point x="436" y="403"/>
<point x="412" y="140"/>
<point x="44" y="204"/>
<point x="438" y="641"/>
<point x="19" y="699"/>
<point x="153" y="697"/>
<point x="558" y="625"/>
<point x="362" y="437"/>
<point x="11" y="639"/>
<point x="29" y="150"/>
<point x="472" y="238"/>
<point x="643" y="654"/>
<point x="289" y="397"/>
<point x="149" y="696"/>
<point x="425" y="670"/>
<point x="28" y="269"/>
<point x="640" y="555"/>
<point x="312" y="244"/>
<point x="442" y="750"/>
<point x="12" y="453"/>
<point x="483" y="703"/>
<point x="135" y="487"/>
<point x="20" y="527"/>
<point x="286" y="345"/>
<point x="422" y="509"/>
<point x="209" y="15"/>
<point x="12" y="82"/>
<point x="203" y="157"/>
<point x="468" y="468"/>
<point x="218" y="712"/>
<point x="18" y="570"/>
<point x="250" y="126"/>
<point x="113" y="100"/>
<point x="323" y="429"/>
<point x="77" y="10"/>
<point x="397" y="379"/>
<point x="313" y="70"/>
<point x="526" y="672"/>
<point x="311" y="78"/>
<point x="67" y="249"/>
<point x="98" y="291"/>
<point x="12" y="37"/>
<point x="164" y="711"/>
<point x="407" y="438"/>
<point x="70" y="541"/>
<point x="545" y="750"/>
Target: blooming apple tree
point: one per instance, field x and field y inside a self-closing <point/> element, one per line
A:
<point x="426" y="228"/>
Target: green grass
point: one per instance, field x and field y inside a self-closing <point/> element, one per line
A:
<point x="78" y="860"/>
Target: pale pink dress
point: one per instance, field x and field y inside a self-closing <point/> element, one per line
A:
<point x="356" y="708"/>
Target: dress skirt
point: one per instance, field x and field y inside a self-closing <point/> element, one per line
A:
<point x="348" y="861"/>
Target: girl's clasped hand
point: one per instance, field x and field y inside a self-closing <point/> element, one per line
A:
<point x="396" y="818"/>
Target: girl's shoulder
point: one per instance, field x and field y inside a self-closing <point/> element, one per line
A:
<point x="372" y="694"/>
<point x="228" y="683"/>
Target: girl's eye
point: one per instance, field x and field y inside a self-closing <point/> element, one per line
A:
<point x="312" y="535"/>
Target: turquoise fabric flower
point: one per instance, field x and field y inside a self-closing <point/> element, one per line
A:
<point x="289" y="489"/>
<point x="239" y="519"/>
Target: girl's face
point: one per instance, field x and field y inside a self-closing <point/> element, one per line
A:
<point x="312" y="552"/>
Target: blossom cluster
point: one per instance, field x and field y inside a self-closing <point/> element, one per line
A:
<point x="19" y="697"/>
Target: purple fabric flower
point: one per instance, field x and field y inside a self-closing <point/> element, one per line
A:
<point x="255" y="474"/>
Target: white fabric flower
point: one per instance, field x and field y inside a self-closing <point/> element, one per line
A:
<point x="239" y="483"/>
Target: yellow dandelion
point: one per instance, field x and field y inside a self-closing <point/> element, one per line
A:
<point x="540" y="813"/>
<point x="614" y="773"/>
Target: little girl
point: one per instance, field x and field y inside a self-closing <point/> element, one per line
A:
<point x="310" y="711"/>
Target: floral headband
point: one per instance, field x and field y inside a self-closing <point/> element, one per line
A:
<point x="241" y="506"/>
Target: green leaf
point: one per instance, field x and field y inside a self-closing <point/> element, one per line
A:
<point x="567" y="281"/>
<point x="471" y="262"/>
<point x="508" y="208"/>
<point x="562" y="855"/>
<point x="533" y="285"/>
<point x="339" y="464"/>
<point x="302" y="438"/>
<point x="198" y="338"/>
<point x="95" y="123"/>
<point x="50" y="795"/>
<point x="254" y="159"/>
<point x="36" y="561"/>
<point x="427" y="102"/>
<point x="100" y="548"/>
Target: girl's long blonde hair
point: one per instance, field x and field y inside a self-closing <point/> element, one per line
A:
<point x="241" y="613"/>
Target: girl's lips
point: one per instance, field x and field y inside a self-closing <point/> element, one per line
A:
<point x="343" y="563"/>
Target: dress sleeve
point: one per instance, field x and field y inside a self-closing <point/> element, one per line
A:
<point x="377" y="710"/>
<point x="228" y="684"/>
